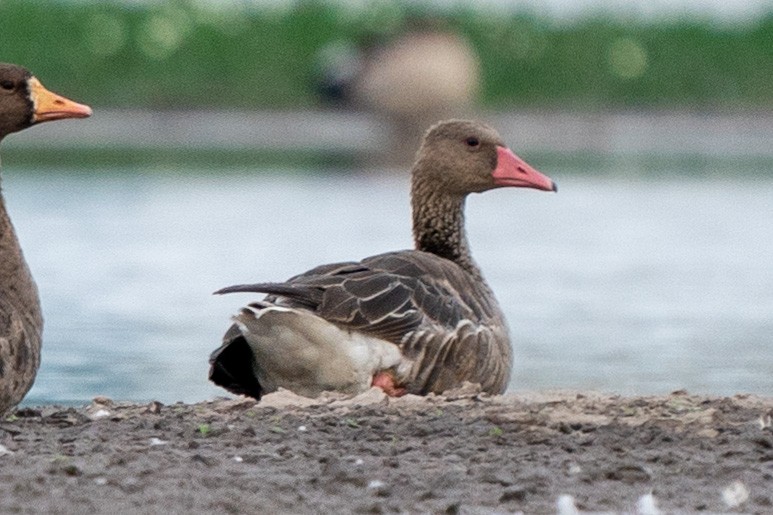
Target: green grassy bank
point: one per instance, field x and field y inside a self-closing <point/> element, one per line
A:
<point x="184" y="54"/>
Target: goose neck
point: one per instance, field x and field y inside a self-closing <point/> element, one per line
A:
<point x="438" y="225"/>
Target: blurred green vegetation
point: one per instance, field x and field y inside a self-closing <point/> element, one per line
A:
<point x="183" y="53"/>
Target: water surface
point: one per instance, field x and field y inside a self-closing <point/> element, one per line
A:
<point x="633" y="285"/>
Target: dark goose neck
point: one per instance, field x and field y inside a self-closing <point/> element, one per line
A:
<point x="16" y="285"/>
<point x="438" y="224"/>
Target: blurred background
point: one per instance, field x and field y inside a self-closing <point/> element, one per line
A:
<point x="245" y="141"/>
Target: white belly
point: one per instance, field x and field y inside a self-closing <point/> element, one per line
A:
<point x="296" y="350"/>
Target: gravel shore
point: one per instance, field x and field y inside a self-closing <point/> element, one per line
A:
<point x="464" y="452"/>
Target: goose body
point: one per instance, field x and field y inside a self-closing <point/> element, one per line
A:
<point x="23" y="102"/>
<point x="412" y="321"/>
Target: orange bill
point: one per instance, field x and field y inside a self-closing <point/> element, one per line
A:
<point x="49" y="106"/>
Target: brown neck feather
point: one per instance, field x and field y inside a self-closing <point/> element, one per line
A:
<point x="438" y="224"/>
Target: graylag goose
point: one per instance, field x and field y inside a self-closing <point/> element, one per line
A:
<point x="23" y="102"/>
<point x="411" y="321"/>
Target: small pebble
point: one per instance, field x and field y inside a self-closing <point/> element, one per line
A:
<point x="565" y="505"/>
<point x="735" y="495"/>
<point x="238" y="459"/>
<point x="708" y="433"/>
<point x="513" y="493"/>
<point x="379" y="488"/>
<point x="4" y="450"/>
<point x="646" y="505"/>
<point x="157" y="441"/>
<point x="376" y="484"/>
<point x="301" y="428"/>
<point x="154" y="407"/>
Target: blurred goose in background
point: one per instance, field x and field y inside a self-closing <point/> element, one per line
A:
<point x="411" y="321"/>
<point x="23" y="102"/>
<point x="410" y="81"/>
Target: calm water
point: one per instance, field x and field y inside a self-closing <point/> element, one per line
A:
<point x="628" y="285"/>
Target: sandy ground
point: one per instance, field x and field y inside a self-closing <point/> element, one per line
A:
<point x="460" y="453"/>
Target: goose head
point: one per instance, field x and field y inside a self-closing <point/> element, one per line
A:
<point x="458" y="157"/>
<point x="25" y="102"/>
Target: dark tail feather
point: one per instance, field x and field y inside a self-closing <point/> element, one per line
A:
<point x="231" y="368"/>
<point x="304" y="295"/>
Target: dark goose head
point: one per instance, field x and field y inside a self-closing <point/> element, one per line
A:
<point x="24" y="101"/>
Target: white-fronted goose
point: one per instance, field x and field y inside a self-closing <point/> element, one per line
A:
<point x="23" y="102"/>
<point x="415" y="321"/>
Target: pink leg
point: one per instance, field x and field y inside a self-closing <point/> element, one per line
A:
<point x="386" y="381"/>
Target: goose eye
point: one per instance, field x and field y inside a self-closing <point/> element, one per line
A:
<point x="472" y="142"/>
<point x="7" y="84"/>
